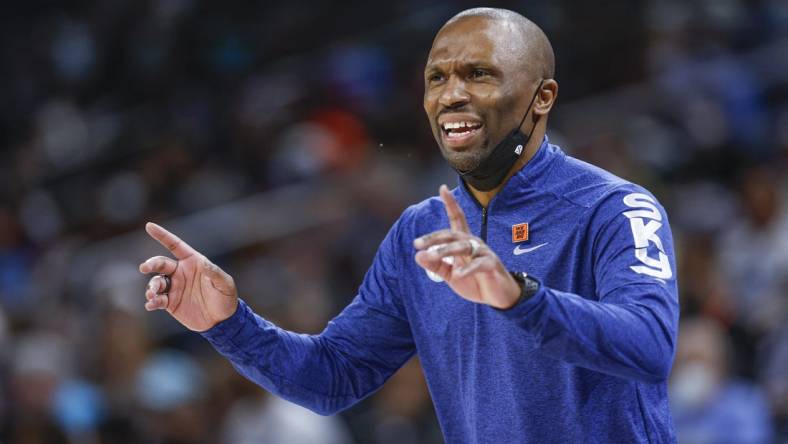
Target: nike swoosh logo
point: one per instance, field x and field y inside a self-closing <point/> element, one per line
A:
<point x="518" y="251"/>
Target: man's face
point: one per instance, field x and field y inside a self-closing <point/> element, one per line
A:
<point x="475" y="92"/>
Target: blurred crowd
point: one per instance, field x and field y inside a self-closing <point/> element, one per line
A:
<point x="283" y="139"/>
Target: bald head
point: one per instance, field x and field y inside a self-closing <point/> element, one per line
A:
<point x="527" y="42"/>
<point x="492" y="69"/>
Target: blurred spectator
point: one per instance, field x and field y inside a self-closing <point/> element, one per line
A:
<point x="709" y="406"/>
<point x="266" y="419"/>
<point x="773" y="362"/>
<point x="754" y="253"/>
<point x="170" y="386"/>
<point x="15" y="261"/>
<point x="39" y="363"/>
<point x="404" y="410"/>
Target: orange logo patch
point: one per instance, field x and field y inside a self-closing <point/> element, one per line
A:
<point x="520" y="232"/>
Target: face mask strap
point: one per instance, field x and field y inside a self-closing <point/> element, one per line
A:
<point x="528" y="109"/>
<point x="492" y="170"/>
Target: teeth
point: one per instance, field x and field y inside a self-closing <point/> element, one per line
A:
<point x="455" y="125"/>
<point x="454" y="134"/>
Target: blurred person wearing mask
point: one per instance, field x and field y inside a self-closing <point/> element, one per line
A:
<point x="709" y="406"/>
<point x="547" y="312"/>
<point x="272" y="420"/>
<point x="40" y="362"/>
<point x="171" y="390"/>
<point x="753" y="253"/>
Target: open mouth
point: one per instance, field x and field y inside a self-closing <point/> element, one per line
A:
<point x="457" y="133"/>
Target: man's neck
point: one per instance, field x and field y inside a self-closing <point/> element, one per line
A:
<point x="484" y="197"/>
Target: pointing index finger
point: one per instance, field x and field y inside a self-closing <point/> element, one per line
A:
<point x="453" y="210"/>
<point x="177" y="247"/>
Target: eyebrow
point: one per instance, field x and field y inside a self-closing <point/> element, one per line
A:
<point x="435" y="67"/>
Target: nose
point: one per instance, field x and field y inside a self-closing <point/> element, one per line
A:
<point x="454" y="94"/>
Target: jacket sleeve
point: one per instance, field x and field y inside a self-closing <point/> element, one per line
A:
<point x="356" y="353"/>
<point x="628" y="328"/>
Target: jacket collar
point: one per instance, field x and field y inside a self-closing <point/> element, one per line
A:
<point x="530" y="177"/>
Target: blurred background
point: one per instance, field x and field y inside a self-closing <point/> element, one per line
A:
<point x="283" y="138"/>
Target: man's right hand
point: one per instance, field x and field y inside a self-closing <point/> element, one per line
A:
<point x="200" y="295"/>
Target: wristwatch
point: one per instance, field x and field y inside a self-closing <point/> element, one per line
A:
<point x="528" y="285"/>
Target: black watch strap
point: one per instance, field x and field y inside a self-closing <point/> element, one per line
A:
<point x="528" y="285"/>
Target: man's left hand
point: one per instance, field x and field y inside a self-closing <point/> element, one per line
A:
<point x="476" y="273"/>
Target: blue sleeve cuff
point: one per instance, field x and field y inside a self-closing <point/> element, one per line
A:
<point x="225" y="335"/>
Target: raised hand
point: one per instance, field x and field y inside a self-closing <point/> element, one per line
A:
<point x="476" y="273"/>
<point x="200" y="294"/>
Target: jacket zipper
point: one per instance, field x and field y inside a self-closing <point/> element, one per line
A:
<point x="483" y="231"/>
<point x="484" y="225"/>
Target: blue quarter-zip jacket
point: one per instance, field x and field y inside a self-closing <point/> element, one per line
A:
<point x="585" y="360"/>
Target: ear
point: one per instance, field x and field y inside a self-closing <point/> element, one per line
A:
<point x="546" y="98"/>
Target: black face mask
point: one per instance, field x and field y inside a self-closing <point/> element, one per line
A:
<point x="492" y="170"/>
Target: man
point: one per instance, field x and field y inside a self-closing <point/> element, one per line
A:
<point x="576" y="350"/>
